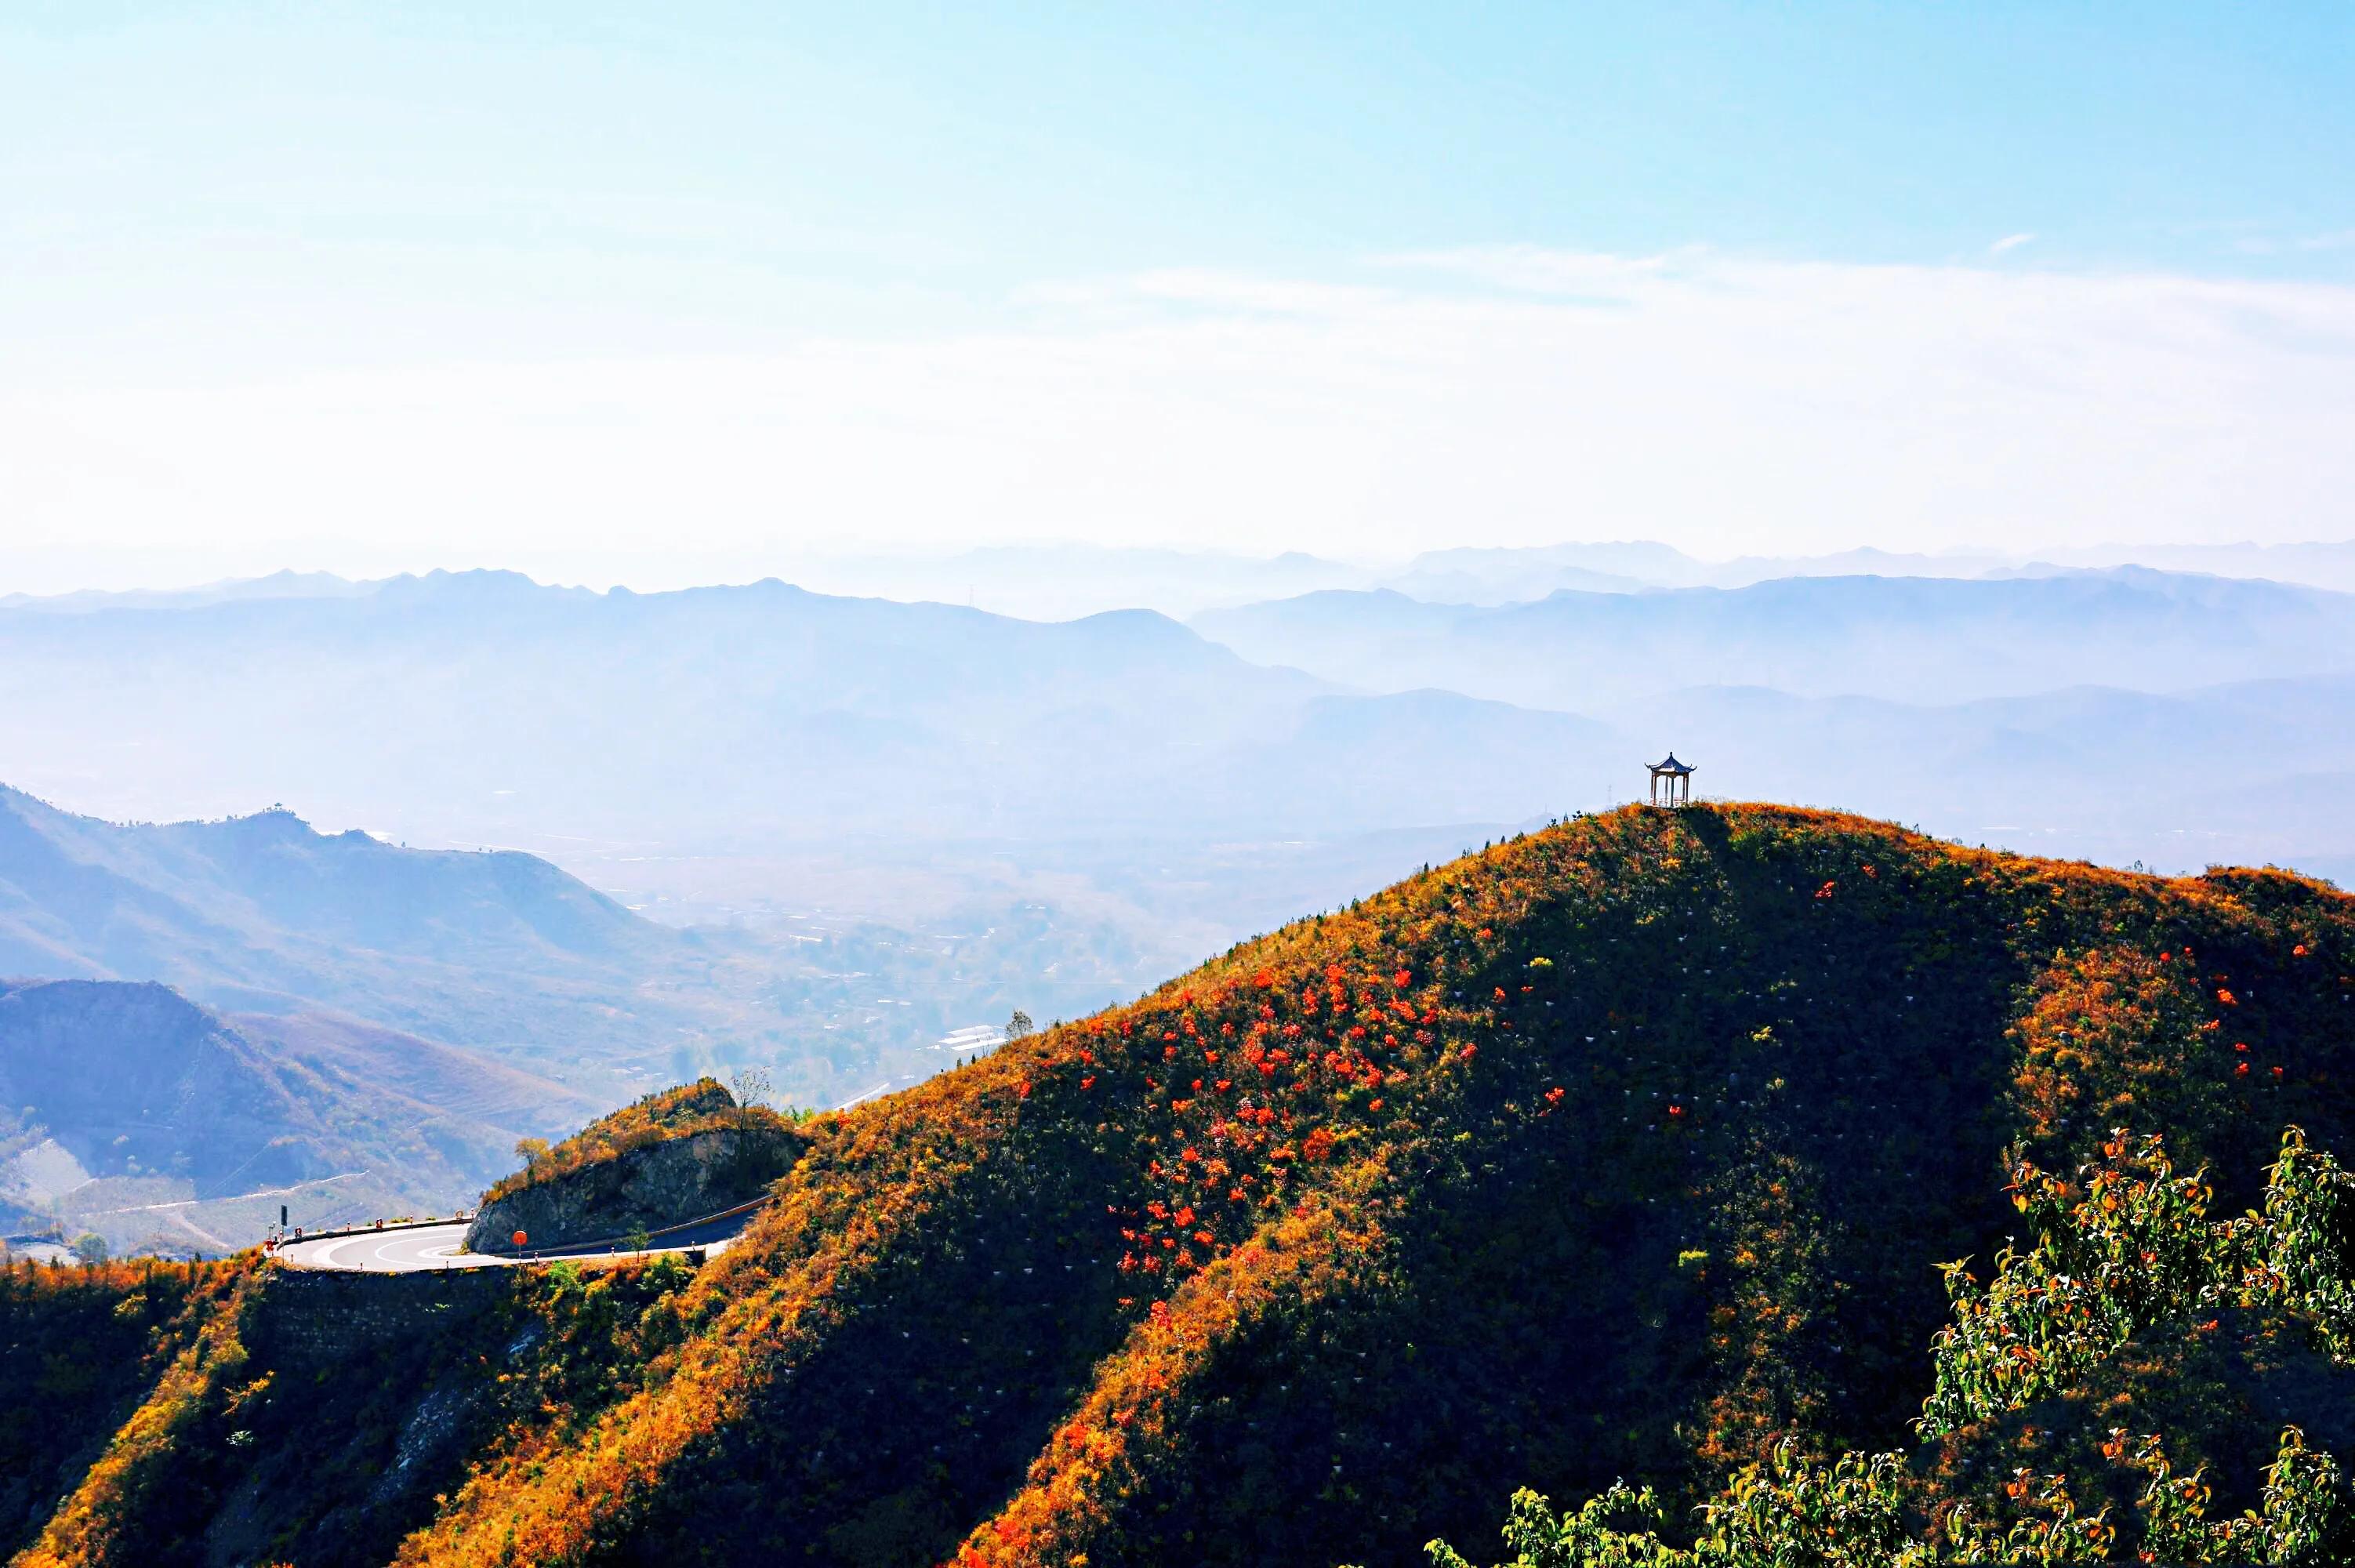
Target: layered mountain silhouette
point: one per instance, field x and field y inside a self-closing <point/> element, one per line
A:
<point x="1902" y="638"/>
<point x="651" y="741"/>
<point x="205" y="1013"/>
<point x="161" y="1126"/>
<point x="489" y="706"/>
<point x="262" y="913"/>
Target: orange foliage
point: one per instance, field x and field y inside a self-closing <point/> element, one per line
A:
<point x="1745" y="1069"/>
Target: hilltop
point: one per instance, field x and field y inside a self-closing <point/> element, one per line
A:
<point x="1613" y="1149"/>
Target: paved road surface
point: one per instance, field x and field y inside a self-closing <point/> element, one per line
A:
<point x="440" y="1246"/>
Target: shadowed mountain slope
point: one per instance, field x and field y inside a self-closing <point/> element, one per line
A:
<point x="261" y="913"/>
<point x="1610" y="1150"/>
<point x="160" y="1125"/>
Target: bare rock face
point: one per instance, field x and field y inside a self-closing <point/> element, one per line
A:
<point x="662" y="1184"/>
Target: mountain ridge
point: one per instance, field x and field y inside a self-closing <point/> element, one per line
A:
<point x="1940" y="638"/>
<point x="262" y="913"/>
<point x="1614" y="1148"/>
<point x="1129" y="1474"/>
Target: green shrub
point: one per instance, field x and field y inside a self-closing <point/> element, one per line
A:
<point x="2125" y="1255"/>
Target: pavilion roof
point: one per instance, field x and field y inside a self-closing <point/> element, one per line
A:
<point x="1671" y="766"/>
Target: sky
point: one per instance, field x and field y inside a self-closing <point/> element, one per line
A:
<point x="631" y="292"/>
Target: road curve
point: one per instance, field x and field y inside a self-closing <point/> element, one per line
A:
<point x="415" y="1248"/>
<point x="387" y="1251"/>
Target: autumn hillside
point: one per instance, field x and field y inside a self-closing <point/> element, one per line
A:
<point x="1613" y="1150"/>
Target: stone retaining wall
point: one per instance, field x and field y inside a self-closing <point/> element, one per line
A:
<point x="315" y="1315"/>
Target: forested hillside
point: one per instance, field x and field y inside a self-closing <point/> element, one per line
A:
<point x="1626" y="1148"/>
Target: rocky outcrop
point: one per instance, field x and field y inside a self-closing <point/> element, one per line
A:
<point x="665" y="1183"/>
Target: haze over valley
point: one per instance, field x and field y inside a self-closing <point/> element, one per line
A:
<point x="594" y="843"/>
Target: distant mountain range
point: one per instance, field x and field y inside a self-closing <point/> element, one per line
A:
<point x="197" y="1026"/>
<point x="912" y="817"/>
<point x="276" y="585"/>
<point x="1906" y="639"/>
<point x="1514" y="576"/>
<point x="1060" y="582"/>
<point x="259" y="913"/>
<point x="1064" y="582"/>
<point x="2249" y="773"/>
<point x="127" y="1110"/>
<point x="628" y="730"/>
<point x="484" y="708"/>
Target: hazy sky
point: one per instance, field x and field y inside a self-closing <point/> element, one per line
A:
<point x="366" y="286"/>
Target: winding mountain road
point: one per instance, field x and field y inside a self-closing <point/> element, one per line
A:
<point x="407" y="1247"/>
<point x="410" y="1249"/>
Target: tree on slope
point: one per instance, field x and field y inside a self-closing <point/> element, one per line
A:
<point x="2126" y="1267"/>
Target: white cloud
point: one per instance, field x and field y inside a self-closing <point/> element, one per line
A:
<point x="2009" y="242"/>
<point x="1509" y="396"/>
